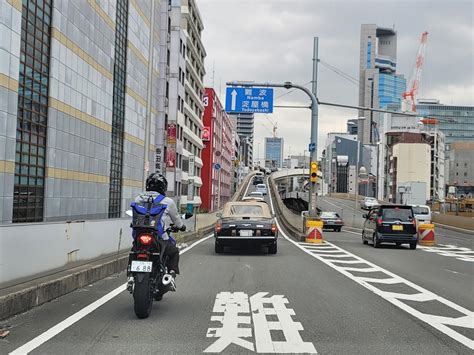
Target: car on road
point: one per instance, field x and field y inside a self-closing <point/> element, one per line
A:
<point x="246" y="223"/>
<point x="422" y="213"/>
<point x="332" y="220"/>
<point x="268" y="171"/>
<point x="253" y="198"/>
<point x="368" y="202"/>
<point x="256" y="194"/>
<point x="390" y="224"/>
<point x="261" y="188"/>
<point x="258" y="179"/>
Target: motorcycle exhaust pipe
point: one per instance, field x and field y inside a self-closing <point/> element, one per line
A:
<point x="167" y="279"/>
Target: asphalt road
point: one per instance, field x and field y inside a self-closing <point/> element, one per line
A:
<point x="303" y="299"/>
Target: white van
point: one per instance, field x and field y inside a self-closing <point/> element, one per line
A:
<point x="422" y="213"/>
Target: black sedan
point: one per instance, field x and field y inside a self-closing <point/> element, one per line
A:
<point x="246" y="223"/>
<point x="331" y="220"/>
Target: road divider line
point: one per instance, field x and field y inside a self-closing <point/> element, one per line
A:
<point x="439" y="323"/>
<point x="63" y="325"/>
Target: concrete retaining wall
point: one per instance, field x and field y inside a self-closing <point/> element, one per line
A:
<point x="29" y="249"/>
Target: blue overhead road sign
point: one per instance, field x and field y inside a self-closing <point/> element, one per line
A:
<point x="249" y="100"/>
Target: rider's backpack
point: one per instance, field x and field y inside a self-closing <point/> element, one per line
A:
<point x="148" y="211"/>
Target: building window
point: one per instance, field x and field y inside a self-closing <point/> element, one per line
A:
<point x="118" y="109"/>
<point x="32" y="117"/>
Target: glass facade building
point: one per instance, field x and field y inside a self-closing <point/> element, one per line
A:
<point x="391" y="89"/>
<point x="273" y="152"/>
<point x="456" y="122"/>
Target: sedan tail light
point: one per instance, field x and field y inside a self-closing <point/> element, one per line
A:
<point x="218" y="227"/>
<point x="145" y="239"/>
<point x="274" y="228"/>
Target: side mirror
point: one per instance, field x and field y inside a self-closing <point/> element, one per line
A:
<point x="219" y="215"/>
<point x="129" y="213"/>
<point x="365" y="215"/>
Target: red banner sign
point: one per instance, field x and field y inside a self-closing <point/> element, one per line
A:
<point x="171" y="134"/>
<point x="206" y="134"/>
<point x="171" y="157"/>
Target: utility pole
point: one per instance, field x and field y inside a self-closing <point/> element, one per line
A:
<point x="314" y="127"/>
<point x="149" y="88"/>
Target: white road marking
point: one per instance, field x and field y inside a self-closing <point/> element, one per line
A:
<point x="440" y="323"/>
<point x="236" y="310"/>
<point x="460" y="253"/>
<point x="58" y="328"/>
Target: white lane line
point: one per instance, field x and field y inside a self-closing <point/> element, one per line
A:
<point x="396" y="298"/>
<point x="58" y="328"/>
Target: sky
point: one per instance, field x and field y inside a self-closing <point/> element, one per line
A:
<point x="272" y="41"/>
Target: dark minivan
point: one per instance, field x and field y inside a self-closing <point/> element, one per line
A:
<point x="390" y="224"/>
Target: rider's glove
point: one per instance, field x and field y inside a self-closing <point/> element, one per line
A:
<point x="183" y="228"/>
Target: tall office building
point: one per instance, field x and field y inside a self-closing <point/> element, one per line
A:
<point x="74" y="101"/>
<point x="273" y="152"/>
<point x="244" y="122"/>
<point x="181" y="90"/>
<point x="379" y="84"/>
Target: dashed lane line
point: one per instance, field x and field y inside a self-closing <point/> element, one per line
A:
<point x="58" y="328"/>
<point x="346" y="267"/>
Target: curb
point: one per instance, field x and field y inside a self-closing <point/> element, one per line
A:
<point x="23" y="300"/>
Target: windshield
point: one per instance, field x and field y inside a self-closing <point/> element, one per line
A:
<point x="397" y="214"/>
<point x="421" y="210"/>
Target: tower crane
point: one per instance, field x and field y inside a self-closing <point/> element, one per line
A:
<point x="415" y="78"/>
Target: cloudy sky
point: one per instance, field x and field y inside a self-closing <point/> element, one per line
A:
<point x="271" y="41"/>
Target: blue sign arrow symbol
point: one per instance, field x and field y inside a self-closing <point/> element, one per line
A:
<point x="234" y="100"/>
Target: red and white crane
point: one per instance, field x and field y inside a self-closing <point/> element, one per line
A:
<point x="415" y="78"/>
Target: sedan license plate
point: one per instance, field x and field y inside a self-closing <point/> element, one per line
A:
<point x="397" y="228"/>
<point x="141" y="266"/>
<point x="246" y="233"/>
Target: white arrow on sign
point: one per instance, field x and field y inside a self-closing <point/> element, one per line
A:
<point x="234" y="99"/>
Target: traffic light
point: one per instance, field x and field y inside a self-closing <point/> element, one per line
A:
<point x="313" y="174"/>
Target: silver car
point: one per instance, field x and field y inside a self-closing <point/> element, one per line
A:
<point x="368" y="203"/>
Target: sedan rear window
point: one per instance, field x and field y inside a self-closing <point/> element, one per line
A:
<point x="261" y="186"/>
<point x="397" y="214"/>
<point x="243" y="210"/>
<point x="329" y="215"/>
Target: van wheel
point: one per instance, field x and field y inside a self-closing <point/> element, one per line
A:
<point x="218" y="248"/>
<point x="413" y="246"/>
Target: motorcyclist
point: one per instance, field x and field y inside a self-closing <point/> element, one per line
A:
<point x="157" y="183"/>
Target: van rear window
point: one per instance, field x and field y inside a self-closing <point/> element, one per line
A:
<point x="421" y="210"/>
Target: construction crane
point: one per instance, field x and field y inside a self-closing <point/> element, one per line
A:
<point x="416" y="74"/>
<point x="274" y="126"/>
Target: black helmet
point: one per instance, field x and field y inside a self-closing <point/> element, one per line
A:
<point x="157" y="182"/>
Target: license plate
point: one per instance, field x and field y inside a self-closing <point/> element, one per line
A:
<point x="245" y="233"/>
<point x="141" y="266"/>
<point x="397" y="228"/>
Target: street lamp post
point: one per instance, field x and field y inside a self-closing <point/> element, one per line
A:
<point x="357" y="167"/>
<point x="371" y="106"/>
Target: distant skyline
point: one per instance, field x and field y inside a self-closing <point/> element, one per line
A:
<point x="271" y="40"/>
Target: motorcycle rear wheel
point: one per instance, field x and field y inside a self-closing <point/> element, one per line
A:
<point x="142" y="296"/>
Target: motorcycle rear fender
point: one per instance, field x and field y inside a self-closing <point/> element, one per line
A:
<point x="139" y="276"/>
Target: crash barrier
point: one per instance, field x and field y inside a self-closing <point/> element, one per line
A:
<point x="243" y="187"/>
<point x="314" y="231"/>
<point x="290" y="221"/>
<point x="426" y="234"/>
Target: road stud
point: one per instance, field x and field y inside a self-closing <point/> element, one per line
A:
<point x="426" y="234"/>
<point x="314" y="232"/>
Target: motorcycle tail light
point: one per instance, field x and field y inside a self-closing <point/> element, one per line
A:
<point x="274" y="228"/>
<point x="145" y="239"/>
<point x="142" y="256"/>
